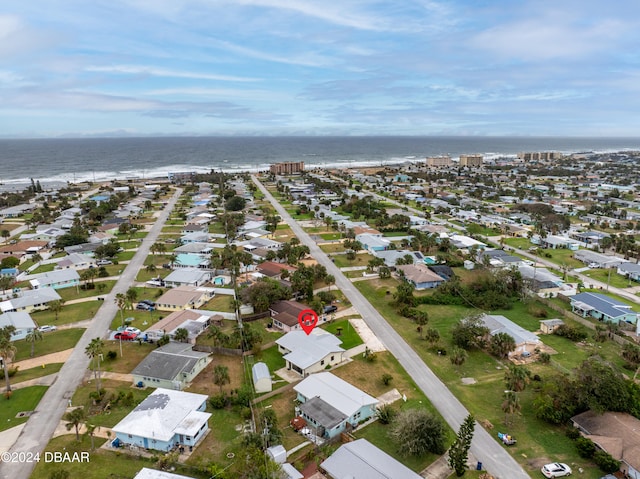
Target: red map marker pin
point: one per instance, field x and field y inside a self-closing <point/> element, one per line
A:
<point x="308" y="319"/>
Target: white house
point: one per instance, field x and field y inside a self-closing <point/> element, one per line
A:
<point x="331" y="405"/>
<point x="360" y="459"/>
<point x="30" y="300"/>
<point x="164" y="420"/>
<point x="306" y="354"/>
<point x="21" y="321"/>
<point x="187" y="277"/>
<point x="57" y="279"/>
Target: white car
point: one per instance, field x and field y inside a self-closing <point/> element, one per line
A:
<point x="47" y="328"/>
<point x="556" y="469"/>
<point x="133" y="330"/>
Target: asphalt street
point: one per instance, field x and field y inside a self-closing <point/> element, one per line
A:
<point x="494" y="457"/>
<point x="43" y="422"/>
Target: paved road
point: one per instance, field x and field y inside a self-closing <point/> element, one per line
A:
<point x="493" y="456"/>
<point x="41" y="425"/>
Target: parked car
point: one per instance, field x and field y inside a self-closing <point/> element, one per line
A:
<point x="125" y="336"/>
<point x="148" y="302"/>
<point x="131" y="329"/>
<point x="330" y="309"/>
<point x="144" y="307"/>
<point x="47" y="328"/>
<point x="556" y="469"/>
<point x="104" y="262"/>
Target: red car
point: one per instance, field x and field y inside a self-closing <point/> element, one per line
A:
<point x="126" y="336"/>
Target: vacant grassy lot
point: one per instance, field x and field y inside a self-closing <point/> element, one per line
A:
<point x="51" y="343"/>
<point x="100" y="287"/>
<point x="132" y="353"/>
<point x="536" y="439"/>
<point x="610" y="277"/>
<point x="24" y="399"/>
<point x="341" y="261"/>
<point x="37" y="372"/>
<point x="71" y="313"/>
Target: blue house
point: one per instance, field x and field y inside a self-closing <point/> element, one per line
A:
<point x="57" y="279"/>
<point x="602" y="308"/>
<point x="373" y="243"/>
<point x="164" y="420"/>
<point x="331" y="405"/>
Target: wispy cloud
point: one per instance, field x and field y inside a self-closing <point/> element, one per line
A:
<point x="163" y="72"/>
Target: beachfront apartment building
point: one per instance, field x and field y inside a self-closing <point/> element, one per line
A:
<point x="439" y="161"/>
<point x="471" y="161"/>
<point x="287" y="168"/>
<point x="539" y="155"/>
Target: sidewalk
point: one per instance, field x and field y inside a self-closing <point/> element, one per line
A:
<point x="59" y="357"/>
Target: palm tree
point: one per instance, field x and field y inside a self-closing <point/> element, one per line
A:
<point x="221" y="376"/>
<point x="458" y="356"/>
<point x="94" y="351"/>
<point x="32" y="337"/>
<point x="123" y="303"/>
<point x="75" y="418"/>
<point x="7" y="352"/>
<point x="91" y="429"/>
<point x="131" y="295"/>
<point x="55" y="306"/>
<point x="517" y="377"/>
<point x="181" y="335"/>
<point x="510" y="405"/>
<point x="6" y="234"/>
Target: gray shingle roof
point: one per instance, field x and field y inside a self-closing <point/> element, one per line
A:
<point x="169" y="361"/>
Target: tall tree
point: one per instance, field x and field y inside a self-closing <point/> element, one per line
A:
<point x="32" y="337"/>
<point x="417" y="432"/>
<point x="459" y="450"/>
<point x="510" y="405"/>
<point x="517" y="377"/>
<point x="221" y="376"/>
<point x="501" y="345"/>
<point x="55" y="306"/>
<point x="7" y="352"/>
<point x="74" y="419"/>
<point x="95" y="350"/>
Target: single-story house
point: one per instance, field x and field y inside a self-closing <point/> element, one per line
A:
<point x="615" y="433"/>
<point x="197" y="237"/>
<point x="195" y="322"/>
<point x="591" y="237"/>
<point x="165" y="419"/>
<point x="548" y="326"/>
<point x="629" y="270"/>
<point x="499" y="258"/>
<point x="75" y="261"/>
<point x="22" y="248"/>
<point x="306" y="354"/>
<point x="597" y="260"/>
<point x="391" y="256"/>
<point x="603" y="308"/>
<point x="360" y="459"/>
<point x="194" y="248"/>
<point x="285" y="315"/>
<point x="184" y="297"/>
<point x="187" y="277"/>
<point x="30" y="300"/>
<point x="84" y="248"/>
<point x="20" y="320"/>
<point x="189" y="260"/>
<point x="261" y="378"/>
<point x="466" y="242"/>
<point x="331" y="405"/>
<point x="420" y="276"/>
<point x="172" y="366"/>
<point x="373" y="243"/>
<point x="274" y="270"/>
<point x="525" y="340"/>
<point x="57" y="279"/>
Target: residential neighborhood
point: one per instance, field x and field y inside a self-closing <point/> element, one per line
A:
<point x="164" y="321"/>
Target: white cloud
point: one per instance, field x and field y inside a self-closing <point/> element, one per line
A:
<point x="164" y="72"/>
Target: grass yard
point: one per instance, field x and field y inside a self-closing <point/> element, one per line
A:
<point x="348" y="335"/>
<point x="71" y="313"/>
<point x="272" y="358"/>
<point x="37" y="372"/>
<point x="332" y="247"/>
<point x="102" y="463"/>
<point x="341" y="261"/>
<point x="132" y="353"/>
<point x="610" y="277"/>
<point x="221" y="302"/>
<point x="25" y="399"/>
<point x="52" y="343"/>
<point x="536" y="439"/>
<point x="116" y="412"/>
<point x="43" y="268"/>
<point x="519" y="243"/>
<point x="561" y="257"/>
<point x="68" y="294"/>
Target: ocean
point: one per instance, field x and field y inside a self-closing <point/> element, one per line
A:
<point x="98" y="159"/>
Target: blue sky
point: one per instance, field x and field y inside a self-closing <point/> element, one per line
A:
<point x="325" y="67"/>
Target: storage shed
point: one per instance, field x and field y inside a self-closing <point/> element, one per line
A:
<point x="261" y="378"/>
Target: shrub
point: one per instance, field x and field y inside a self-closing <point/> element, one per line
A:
<point x="586" y="447"/>
<point x="573" y="433"/>
<point x="606" y="462"/>
<point x="111" y="355"/>
<point x="12" y="371"/>
<point x="386" y="379"/>
<point x="218" y="401"/>
<point x="544" y="358"/>
<point x="385" y="413"/>
<point x="572" y="333"/>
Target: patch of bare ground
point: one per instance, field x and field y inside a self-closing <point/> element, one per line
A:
<point x="203" y="383"/>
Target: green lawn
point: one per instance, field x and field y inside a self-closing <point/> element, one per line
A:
<point x="71" y="313"/>
<point x="519" y="243"/>
<point x="341" y="261"/>
<point x="44" y="268"/>
<point x="221" y="302"/>
<point x="535" y="438"/>
<point x="125" y="255"/>
<point x="348" y="335"/>
<point x="68" y="294"/>
<point x="25" y="399"/>
<point x="610" y="277"/>
<point x="272" y="358"/>
<point x="51" y="343"/>
<point x="36" y="372"/>
<point x="332" y="247"/>
<point x="561" y="257"/>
